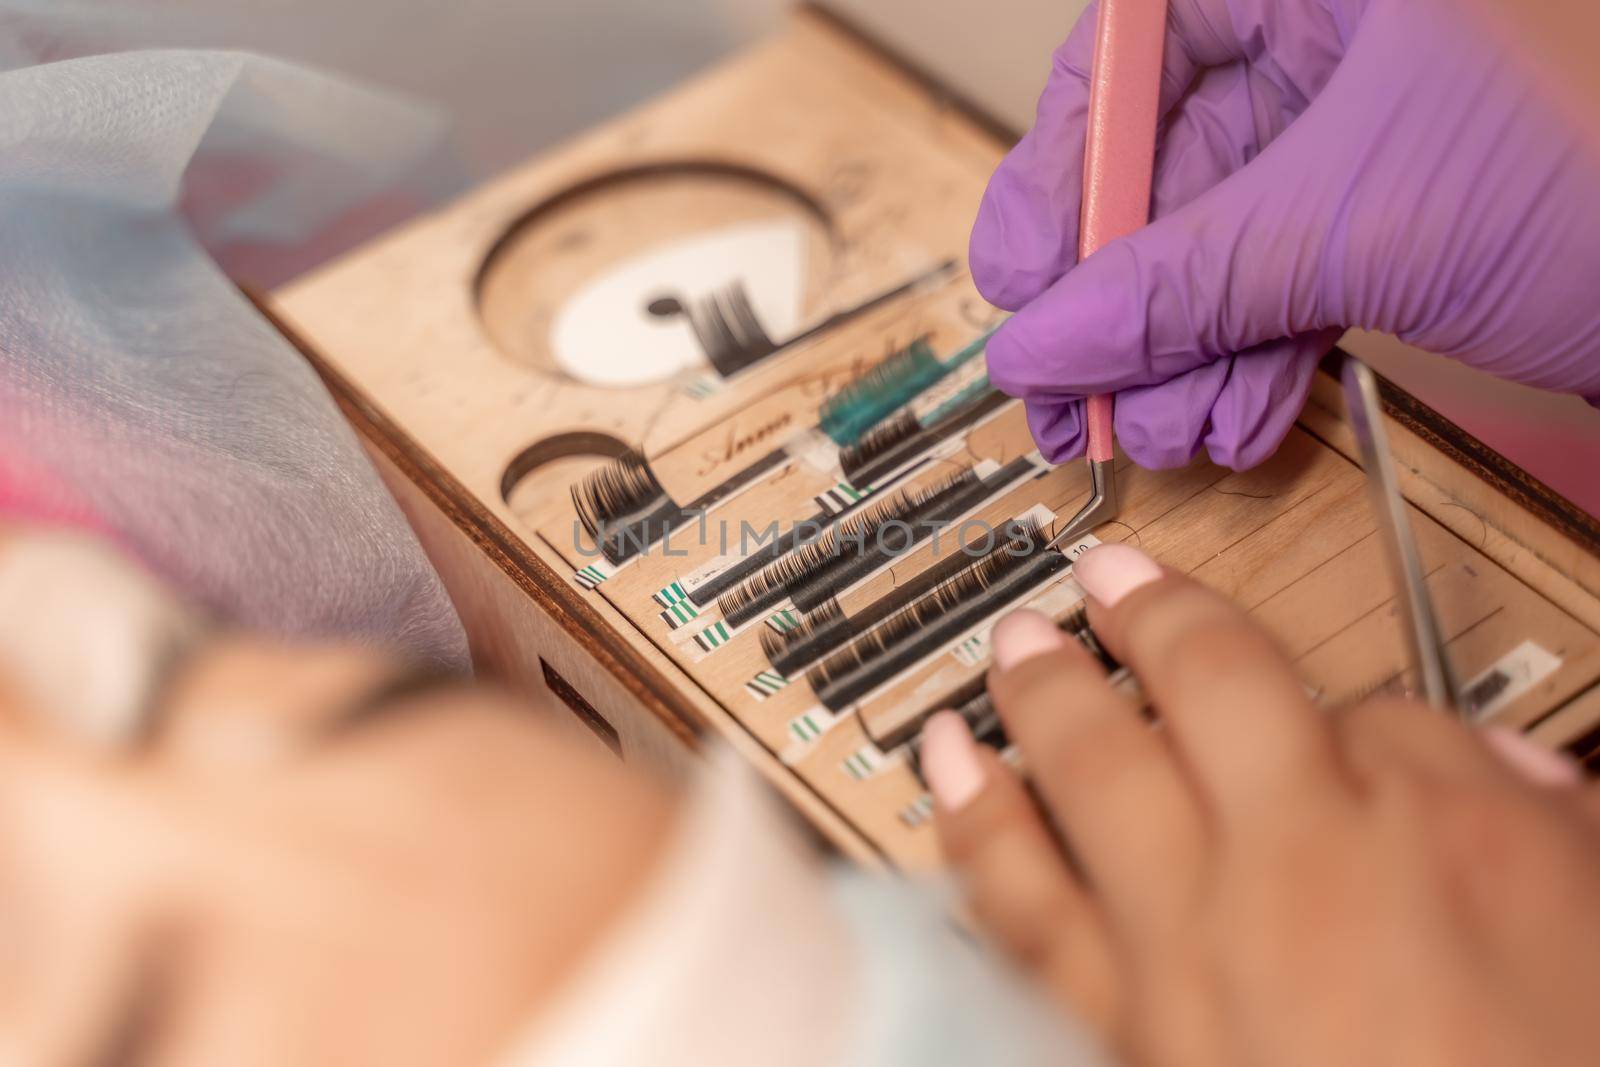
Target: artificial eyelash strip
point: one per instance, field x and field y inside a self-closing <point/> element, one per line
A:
<point x="938" y="516"/>
<point x="973" y="703"/>
<point x="618" y="492"/>
<point x="892" y="452"/>
<point x="904" y="437"/>
<point x="713" y="588"/>
<point x="829" y="626"/>
<point x="909" y="733"/>
<point x="624" y="509"/>
<point x="811" y="565"/>
<point x="982" y="719"/>
<point x="890" y="386"/>
<point x="916" y="632"/>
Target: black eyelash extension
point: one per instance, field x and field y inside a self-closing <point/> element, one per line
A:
<point x="972" y="580"/>
<point x="619" y="491"/>
<point x="715" y="588"/>
<point x="882" y="551"/>
<point x="876" y="545"/>
<point x="827" y="626"/>
<point x="878" y="442"/>
<point x="972" y="702"/>
<point x="910" y="731"/>
<point x="946" y="599"/>
<point x="887" y="450"/>
<point x="624" y="509"/>
<point x="901" y="443"/>
<point x="939" y="617"/>
<point x="982" y="719"/>
<point x="812" y="563"/>
<point x="1077" y="624"/>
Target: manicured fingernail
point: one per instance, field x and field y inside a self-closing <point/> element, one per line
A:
<point x="950" y="761"/>
<point x="1538" y="765"/>
<point x="1110" y="572"/>
<point x="1023" y="635"/>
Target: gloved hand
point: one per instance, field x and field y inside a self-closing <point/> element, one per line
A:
<point x="1395" y="165"/>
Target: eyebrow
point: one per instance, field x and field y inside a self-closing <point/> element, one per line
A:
<point x="390" y="699"/>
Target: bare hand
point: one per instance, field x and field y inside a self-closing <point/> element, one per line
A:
<point x="1256" y="882"/>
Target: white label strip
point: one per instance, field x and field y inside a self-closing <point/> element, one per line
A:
<point x="1508" y="681"/>
<point x="816" y="450"/>
<point x="806" y="730"/>
<point x="919" y="813"/>
<point x="785" y="622"/>
<point x="714" y="637"/>
<point x="1055" y="601"/>
<point x="702" y="387"/>
<point x="972" y="647"/>
<point x="695" y="579"/>
<point x="596" y="574"/>
<point x="841" y="498"/>
<point x="1080" y="546"/>
<point x="711" y="633"/>
<point x="864" y="763"/>
<point x="766" y="684"/>
<point x="972" y="652"/>
<point x="941" y="393"/>
<point x="678" y="609"/>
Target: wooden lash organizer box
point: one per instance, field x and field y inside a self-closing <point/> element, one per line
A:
<point x="501" y="350"/>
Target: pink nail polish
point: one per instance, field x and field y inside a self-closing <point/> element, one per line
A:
<point x="1109" y="573"/>
<point x="1538" y="765"/>
<point x="950" y="761"/>
<point x="1023" y="635"/>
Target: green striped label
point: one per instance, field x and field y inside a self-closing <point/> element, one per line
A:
<point x="807" y="728"/>
<point x="594" y="575"/>
<point x="766" y="684"/>
<point x="702" y="387"/>
<point x="972" y="651"/>
<point x="680" y="609"/>
<point x="680" y="614"/>
<point x="863" y="764"/>
<point x="785" y="622"/>
<point x="918" y="813"/>
<point x="714" y="638"/>
<point x="842" y="498"/>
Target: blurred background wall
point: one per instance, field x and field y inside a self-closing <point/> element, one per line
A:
<point x="515" y="75"/>
<point x="1002" y="69"/>
<point x="518" y="75"/>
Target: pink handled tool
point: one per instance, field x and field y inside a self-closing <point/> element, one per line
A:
<point x="1118" y="168"/>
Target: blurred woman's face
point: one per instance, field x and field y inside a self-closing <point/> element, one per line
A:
<point x="312" y="857"/>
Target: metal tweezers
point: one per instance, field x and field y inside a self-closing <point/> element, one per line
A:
<point x="1438" y="682"/>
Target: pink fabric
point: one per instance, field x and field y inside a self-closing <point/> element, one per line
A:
<point x="31" y="494"/>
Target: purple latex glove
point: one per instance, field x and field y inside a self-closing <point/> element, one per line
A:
<point x="1393" y="165"/>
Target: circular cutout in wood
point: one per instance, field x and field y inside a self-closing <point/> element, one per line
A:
<point x="601" y="284"/>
